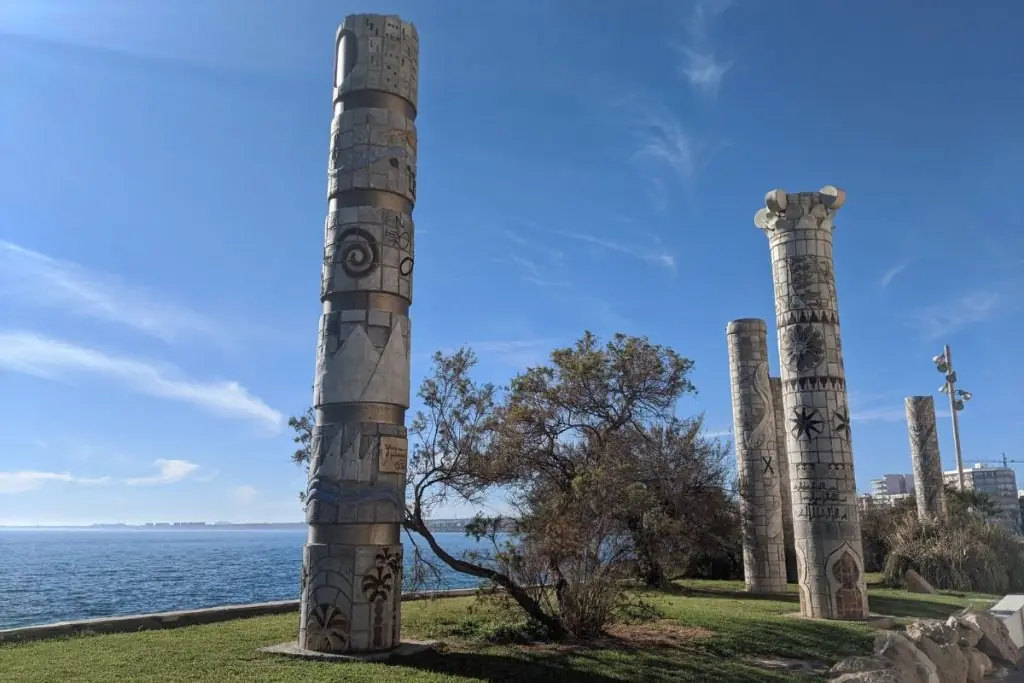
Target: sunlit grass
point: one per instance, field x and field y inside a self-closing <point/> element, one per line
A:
<point x="707" y="633"/>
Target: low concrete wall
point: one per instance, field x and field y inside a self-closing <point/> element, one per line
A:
<point x="193" y="617"/>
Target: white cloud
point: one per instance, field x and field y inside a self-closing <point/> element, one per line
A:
<point x="32" y="354"/>
<point x="245" y="493"/>
<point x="944" y="319"/>
<point x="656" y="255"/>
<point x="32" y="277"/>
<point x="700" y="64"/>
<point x="19" y="482"/>
<point x="704" y="71"/>
<point x="168" y="472"/>
<point x="888" y="276"/>
<point x="718" y="434"/>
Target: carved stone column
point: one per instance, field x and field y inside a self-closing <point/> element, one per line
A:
<point x="826" y="527"/>
<point x="924" y="455"/>
<point x="784" y="477"/>
<point x="764" y="561"/>
<point x="352" y="562"/>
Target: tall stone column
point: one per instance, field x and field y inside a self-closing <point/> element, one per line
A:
<point x="826" y="528"/>
<point x="352" y="562"/>
<point x="764" y="560"/>
<point x="784" y="476"/>
<point x="924" y="455"/>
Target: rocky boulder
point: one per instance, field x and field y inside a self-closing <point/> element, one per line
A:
<point x="912" y="664"/>
<point x="940" y="643"/>
<point x="969" y="634"/>
<point x="978" y="665"/>
<point x="917" y="583"/>
<point x="857" y="665"/>
<point x="995" y="640"/>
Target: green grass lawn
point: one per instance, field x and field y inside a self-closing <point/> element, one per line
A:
<point x="707" y="633"/>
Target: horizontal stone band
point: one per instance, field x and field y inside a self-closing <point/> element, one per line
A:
<point x="354" y="534"/>
<point x="387" y="413"/>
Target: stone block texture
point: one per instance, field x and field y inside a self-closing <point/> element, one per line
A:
<point x="925" y="458"/>
<point x="826" y="528"/>
<point x="764" y="561"/>
<point x="351" y="582"/>
<point x="783" y="467"/>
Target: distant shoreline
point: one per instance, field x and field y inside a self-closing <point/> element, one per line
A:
<point x="437" y="526"/>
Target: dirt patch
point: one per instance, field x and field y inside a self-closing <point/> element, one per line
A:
<point x="664" y="633"/>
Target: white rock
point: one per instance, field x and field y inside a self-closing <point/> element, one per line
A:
<point x="939" y="642"/>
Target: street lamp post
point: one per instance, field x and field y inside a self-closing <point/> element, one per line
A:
<point x="957" y="399"/>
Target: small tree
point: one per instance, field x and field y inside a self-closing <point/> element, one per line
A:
<point x="555" y="445"/>
<point x="668" y="483"/>
<point x="303" y="425"/>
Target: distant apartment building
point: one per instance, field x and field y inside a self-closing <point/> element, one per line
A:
<point x="888" y="489"/>
<point x="873" y="500"/>
<point x="1000" y="484"/>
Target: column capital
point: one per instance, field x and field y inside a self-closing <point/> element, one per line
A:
<point x="799" y="210"/>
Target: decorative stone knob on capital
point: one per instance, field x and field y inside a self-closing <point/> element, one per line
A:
<point x="782" y="209"/>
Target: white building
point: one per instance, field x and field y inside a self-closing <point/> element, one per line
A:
<point x="1000" y="484"/>
<point x="892" y="485"/>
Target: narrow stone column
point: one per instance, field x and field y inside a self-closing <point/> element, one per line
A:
<point x="352" y="563"/>
<point x="784" y="488"/>
<point x="826" y="527"/>
<point x="764" y="561"/>
<point x="924" y="455"/>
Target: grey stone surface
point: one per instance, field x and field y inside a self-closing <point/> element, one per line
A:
<point x="764" y="560"/>
<point x="826" y="527"/>
<point x="913" y="665"/>
<point x="925" y="458"/>
<point x="784" y="486"/>
<point x="352" y="563"/>
<point x="917" y="583"/>
<point x="940" y="642"/>
<point x="995" y="638"/>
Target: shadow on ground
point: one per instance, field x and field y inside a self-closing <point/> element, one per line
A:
<point x="908" y="608"/>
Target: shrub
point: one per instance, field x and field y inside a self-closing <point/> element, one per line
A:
<point x="964" y="554"/>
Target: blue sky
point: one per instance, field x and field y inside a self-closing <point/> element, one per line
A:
<point x="583" y="165"/>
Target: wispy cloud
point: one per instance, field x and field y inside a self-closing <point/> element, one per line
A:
<point x="664" y="141"/>
<point x="719" y="434"/>
<point x="657" y="255"/>
<point x="534" y="273"/>
<point x="19" y="482"/>
<point x="168" y="472"/>
<point x="944" y="319"/>
<point x="32" y="354"/>
<point x="895" y="413"/>
<point x="28" y="276"/>
<point x="245" y="493"/>
<point x="699" y="61"/>
<point x="888" y="276"/>
<point x="520" y="353"/>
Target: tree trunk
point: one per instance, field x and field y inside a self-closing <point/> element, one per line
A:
<point x="648" y="567"/>
<point x="554" y="627"/>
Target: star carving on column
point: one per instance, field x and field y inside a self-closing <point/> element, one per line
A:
<point x="841" y="422"/>
<point x="807" y="422"/>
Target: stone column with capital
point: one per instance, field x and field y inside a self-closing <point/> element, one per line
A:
<point x="783" y="460"/>
<point x="764" y="560"/>
<point x="826" y="527"/>
<point x="351" y="583"/>
<point x="925" y="458"/>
